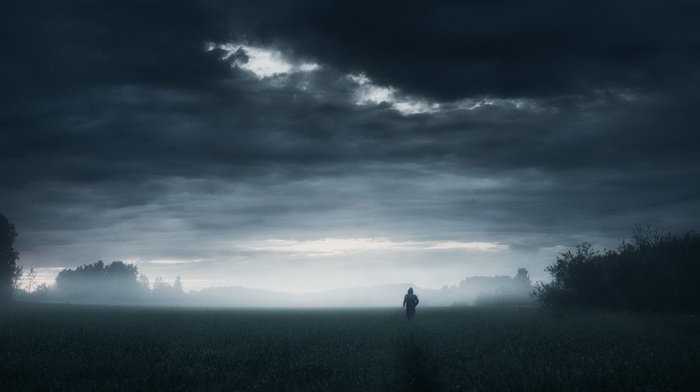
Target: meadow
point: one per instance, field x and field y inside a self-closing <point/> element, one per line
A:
<point x="71" y="348"/>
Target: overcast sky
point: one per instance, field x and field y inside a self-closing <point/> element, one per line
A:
<point x="305" y="145"/>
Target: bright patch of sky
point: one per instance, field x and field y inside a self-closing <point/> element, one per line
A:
<point x="165" y="261"/>
<point x="265" y="63"/>
<point x="370" y="93"/>
<point x="340" y="246"/>
<point x="262" y="62"/>
<point x="472" y="104"/>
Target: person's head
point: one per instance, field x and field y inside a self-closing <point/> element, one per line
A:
<point x="410" y="290"/>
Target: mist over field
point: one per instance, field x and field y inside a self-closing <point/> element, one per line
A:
<point x="99" y="284"/>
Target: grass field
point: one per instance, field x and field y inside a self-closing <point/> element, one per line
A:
<point x="70" y="347"/>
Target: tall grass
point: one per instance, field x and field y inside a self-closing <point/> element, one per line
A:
<point x="53" y="347"/>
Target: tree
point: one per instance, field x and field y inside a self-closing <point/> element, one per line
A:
<point x="116" y="281"/>
<point x="177" y="287"/>
<point x="577" y="280"/>
<point x="145" y="283"/>
<point x="10" y="273"/>
<point x="160" y="285"/>
<point x="166" y="291"/>
<point x="31" y="280"/>
<point x="522" y="279"/>
<point x="655" y="271"/>
<point x="42" y="291"/>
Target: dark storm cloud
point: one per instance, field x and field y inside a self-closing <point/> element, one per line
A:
<point x="452" y="49"/>
<point x="76" y="74"/>
<point x="132" y="82"/>
<point x="71" y="45"/>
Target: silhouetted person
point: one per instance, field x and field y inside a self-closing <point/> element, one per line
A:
<point x="410" y="301"/>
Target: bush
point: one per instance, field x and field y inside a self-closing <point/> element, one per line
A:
<point x="655" y="271"/>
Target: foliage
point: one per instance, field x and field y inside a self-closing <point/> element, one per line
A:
<point x="117" y="281"/>
<point x="655" y="271"/>
<point x="163" y="290"/>
<point x="522" y="279"/>
<point x="30" y="281"/>
<point x="67" y="348"/>
<point x="10" y="273"/>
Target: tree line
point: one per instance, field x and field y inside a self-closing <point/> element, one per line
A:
<point x="100" y="282"/>
<point x="655" y="271"/>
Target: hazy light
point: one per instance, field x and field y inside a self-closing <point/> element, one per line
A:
<point x="373" y="94"/>
<point x="370" y="93"/>
<point x="516" y="103"/>
<point x="324" y="246"/>
<point x="483" y="246"/>
<point x="416" y="107"/>
<point x="163" y="261"/>
<point x="339" y="246"/>
<point x="44" y="275"/>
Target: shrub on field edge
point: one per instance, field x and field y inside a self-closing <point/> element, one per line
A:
<point x="655" y="271"/>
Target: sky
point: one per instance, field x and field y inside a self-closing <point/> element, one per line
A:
<point x="305" y="145"/>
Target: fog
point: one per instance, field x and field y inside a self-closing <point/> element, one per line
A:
<point x="471" y="291"/>
<point x="119" y="284"/>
